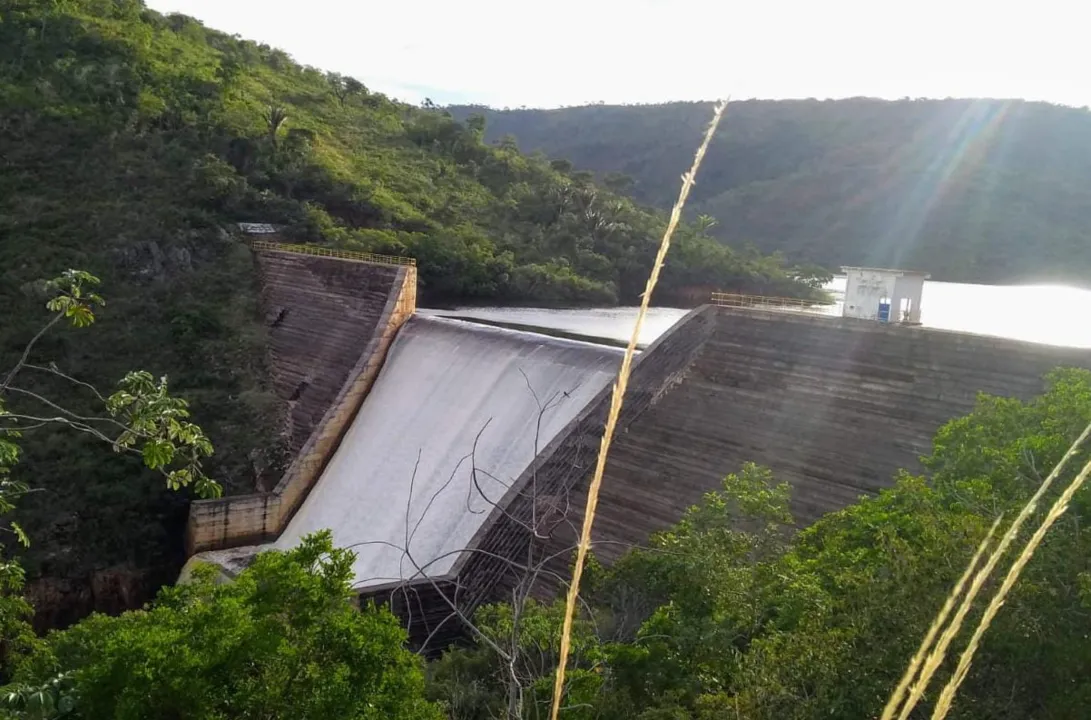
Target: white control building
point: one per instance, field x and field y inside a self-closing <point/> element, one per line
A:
<point x="884" y="295"/>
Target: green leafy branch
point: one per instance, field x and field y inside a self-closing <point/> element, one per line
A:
<point x="142" y="417"/>
<point x="156" y="423"/>
<point x="74" y="300"/>
<point x="11" y="572"/>
<point x="54" y="698"/>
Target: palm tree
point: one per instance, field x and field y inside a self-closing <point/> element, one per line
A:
<point x="705" y="223"/>
<point x="275" y="116"/>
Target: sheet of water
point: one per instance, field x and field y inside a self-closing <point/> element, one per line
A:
<point x="452" y="398"/>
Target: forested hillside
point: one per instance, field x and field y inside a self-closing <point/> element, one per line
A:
<point x="130" y="140"/>
<point x="971" y="190"/>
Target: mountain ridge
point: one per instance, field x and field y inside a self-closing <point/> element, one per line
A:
<point x="973" y="190"/>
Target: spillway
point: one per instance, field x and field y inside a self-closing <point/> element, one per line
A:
<point x="456" y="414"/>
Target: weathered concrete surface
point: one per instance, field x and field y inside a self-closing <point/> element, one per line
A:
<point x="331" y="320"/>
<point x="559" y="474"/>
<point x="457" y="413"/>
<point x="408" y="473"/>
<point x="834" y="406"/>
<point x="320" y="313"/>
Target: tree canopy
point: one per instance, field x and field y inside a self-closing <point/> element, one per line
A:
<point x="991" y="191"/>
<point x="283" y="640"/>
<point x="732" y="612"/>
<point x="142" y="419"/>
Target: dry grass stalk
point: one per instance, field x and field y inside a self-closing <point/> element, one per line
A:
<point x="929" y="638"/>
<point x="935" y="658"/>
<point x="939" y="652"/>
<point x="1055" y="512"/>
<point x="616" y="399"/>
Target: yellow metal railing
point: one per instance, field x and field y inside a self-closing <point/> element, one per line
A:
<point x="760" y="301"/>
<point x="331" y="252"/>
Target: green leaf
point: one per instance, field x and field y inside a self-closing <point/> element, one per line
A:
<point x="24" y="540"/>
<point x="158" y="453"/>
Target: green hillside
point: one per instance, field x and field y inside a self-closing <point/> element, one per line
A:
<point x="971" y="190"/>
<point x="130" y="140"/>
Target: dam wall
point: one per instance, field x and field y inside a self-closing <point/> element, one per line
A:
<point x="330" y="322"/>
<point x="833" y="406"/>
<point x="320" y="314"/>
<point x="457" y="414"/>
<point x="543" y="500"/>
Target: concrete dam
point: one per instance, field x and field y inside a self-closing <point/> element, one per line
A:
<point x="439" y="449"/>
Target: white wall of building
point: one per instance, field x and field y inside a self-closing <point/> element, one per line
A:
<point x="864" y="290"/>
<point x="906" y="303"/>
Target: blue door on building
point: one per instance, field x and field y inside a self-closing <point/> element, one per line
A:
<point x="884" y="312"/>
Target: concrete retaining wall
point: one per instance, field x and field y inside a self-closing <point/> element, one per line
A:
<point x="833" y="406"/>
<point x="331" y="324"/>
<point x="321" y="313"/>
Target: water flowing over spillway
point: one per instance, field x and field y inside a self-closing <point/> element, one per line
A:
<point x="456" y="414"/>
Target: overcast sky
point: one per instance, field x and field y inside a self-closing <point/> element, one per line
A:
<point x="571" y="52"/>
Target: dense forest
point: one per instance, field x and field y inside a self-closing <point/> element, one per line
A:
<point x="129" y="144"/>
<point x="990" y="191"/>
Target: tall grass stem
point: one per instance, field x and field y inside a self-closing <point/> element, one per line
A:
<point x="616" y="399"/>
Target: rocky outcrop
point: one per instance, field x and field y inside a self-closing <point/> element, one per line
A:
<point x="62" y="601"/>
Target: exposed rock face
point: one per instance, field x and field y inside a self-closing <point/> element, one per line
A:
<point x="156" y="261"/>
<point x="60" y="602"/>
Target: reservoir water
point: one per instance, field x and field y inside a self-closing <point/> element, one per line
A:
<point x="1036" y="313"/>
